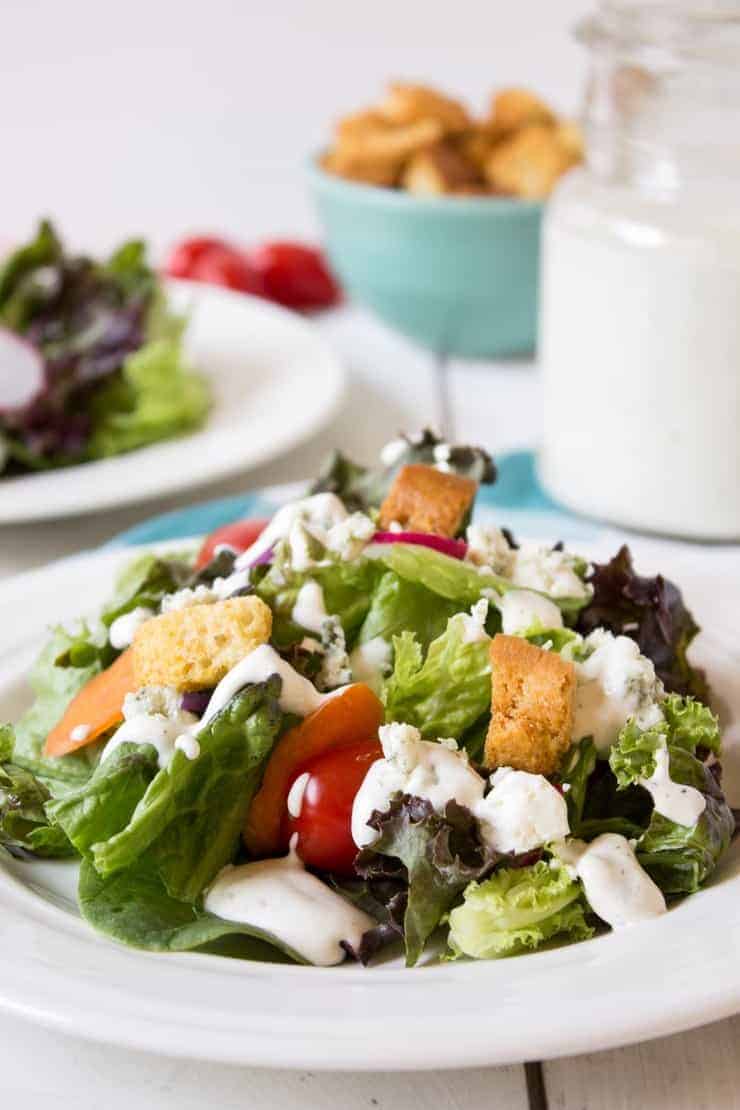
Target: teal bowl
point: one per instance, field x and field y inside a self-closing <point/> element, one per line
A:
<point x="457" y="274"/>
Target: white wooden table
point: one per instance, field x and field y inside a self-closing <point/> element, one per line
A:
<point x="393" y="386"/>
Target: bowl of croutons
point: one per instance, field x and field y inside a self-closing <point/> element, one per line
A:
<point x="432" y="217"/>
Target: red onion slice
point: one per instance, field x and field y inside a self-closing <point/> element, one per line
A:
<point x="21" y="371"/>
<point x="456" y="549"/>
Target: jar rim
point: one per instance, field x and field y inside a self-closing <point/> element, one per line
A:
<point x="684" y="28"/>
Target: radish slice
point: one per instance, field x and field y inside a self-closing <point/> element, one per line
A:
<point x="21" y="371"/>
<point x="456" y="549"/>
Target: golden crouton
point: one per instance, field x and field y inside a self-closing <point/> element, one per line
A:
<point x="438" y="169"/>
<point x="570" y="138"/>
<point x="476" y="145"/>
<point x="423" y="499"/>
<point x="407" y="103"/>
<point x="532" y="696"/>
<point x="369" y="148"/>
<point x="529" y="163"/>
<point x="512" y="109"/>
<point x="193" y="648"/>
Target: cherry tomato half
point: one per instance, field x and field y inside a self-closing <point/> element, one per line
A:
<point x="294" y="275"/>
<point x="239" y="535"/>
<point x="184" y="257"/>
<point x="215" y="262"/>
<point x="324" y="823"/>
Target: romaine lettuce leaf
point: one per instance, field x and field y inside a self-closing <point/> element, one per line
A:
<point x="518" y="909"/>
<point x="445" y="693"/>
<point x="105" y="804"/>
<point x="190" y="818"/>
<point x="679" y="858"/>
<point x="144" y="582"/>
<point x="133" y="907"/>
<point x="347" y="587"/>
<point x="155" y="396"/>
<point x="401" y="606"/>
<point x="437" y="854"/>
<point x="24" y="825"/>
<point x="68" y="661"/>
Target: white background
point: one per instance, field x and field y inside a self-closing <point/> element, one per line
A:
<point x="157" y="117"/>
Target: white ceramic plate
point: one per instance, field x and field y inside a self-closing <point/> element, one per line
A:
<point x="657" y="978"/>
<point x="274" y="383"/>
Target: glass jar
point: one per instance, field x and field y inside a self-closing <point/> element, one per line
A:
<point x="640" y="318"/>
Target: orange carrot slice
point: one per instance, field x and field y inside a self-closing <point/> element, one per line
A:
<point x="96" y="708"/>
<point x="350" y="716"/>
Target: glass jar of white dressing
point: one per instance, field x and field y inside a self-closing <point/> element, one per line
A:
<point x="640" y="318"/>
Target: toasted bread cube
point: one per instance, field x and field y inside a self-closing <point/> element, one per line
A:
<point x="423" y="499"/>
<point x="193" y="648"/>
<point x="570" y="138"/>
<point x="512" y="109"/>
<point x="369" y="148"/>
<point x="532" y="701"/>
<point x="408" y="103"/>
<point x="438" y="169"/>
<point x="476" y="145"/>
<point x="529" y="164"/>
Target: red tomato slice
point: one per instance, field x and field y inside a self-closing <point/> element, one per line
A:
<point x="239" y="535"/>
<point x="295" y="275"/>
<point x="215" y="262"/>
<point x="324" y="823"/>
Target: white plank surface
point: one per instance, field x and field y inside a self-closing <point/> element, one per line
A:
<point x="692" y="1071"/>
<point x="40" y="1070"/>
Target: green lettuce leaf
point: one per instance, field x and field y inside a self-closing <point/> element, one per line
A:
<point x="144" y="582"/>
<point x="347" y="588"/>
<point x="156" y="396"/>
<point x="134" y="908"/>
<point x="104" y="805"/>
<point x="445" y="693"/>
<point x="18" y="294"/>
<point x="401" y="606"/>
<point x="24" y="825"/>
<point x="438" y="854"/>
<point x="679" y="858"/>
<point x="68" y="661"/>
<point x="518" y="909"/>
<point x="190" y="818"/>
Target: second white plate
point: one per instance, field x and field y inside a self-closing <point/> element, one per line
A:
<point x="274" y="382"/>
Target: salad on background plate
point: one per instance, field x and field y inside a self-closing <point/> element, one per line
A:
<point x="91" y="357"/>
<point x="372" y="724"/>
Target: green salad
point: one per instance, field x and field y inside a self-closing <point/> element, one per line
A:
<point x="91" y="358"/>
<point x="376" y="723"/>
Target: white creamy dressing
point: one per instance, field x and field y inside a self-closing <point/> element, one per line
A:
<point x="320" y="518"/>
<point x="392" y="451"/>
<point x="309" y="611"/>
<point x="522" y="812"/>
<point x="123" y="629"/>
<point x="188" y="745"/>
<point x="474" y="623"/>
<point x="674" y="800"/>
<point x="153" y="715"/>
<point x="80" y="733"/>
<point x="614" y="683"/>
<point x="427" y="769"/>
<point x="287" y="902"/>
<point x="618" y="890"/>
<point x="442" y="454"/>
<point x="294" y="802"/>
<point x="525" y="611"/>
<point x="298" y="695"/>
<point x="530" y="566"/>
<point x="371" y="661"/>
<point x="647" y="286"/>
